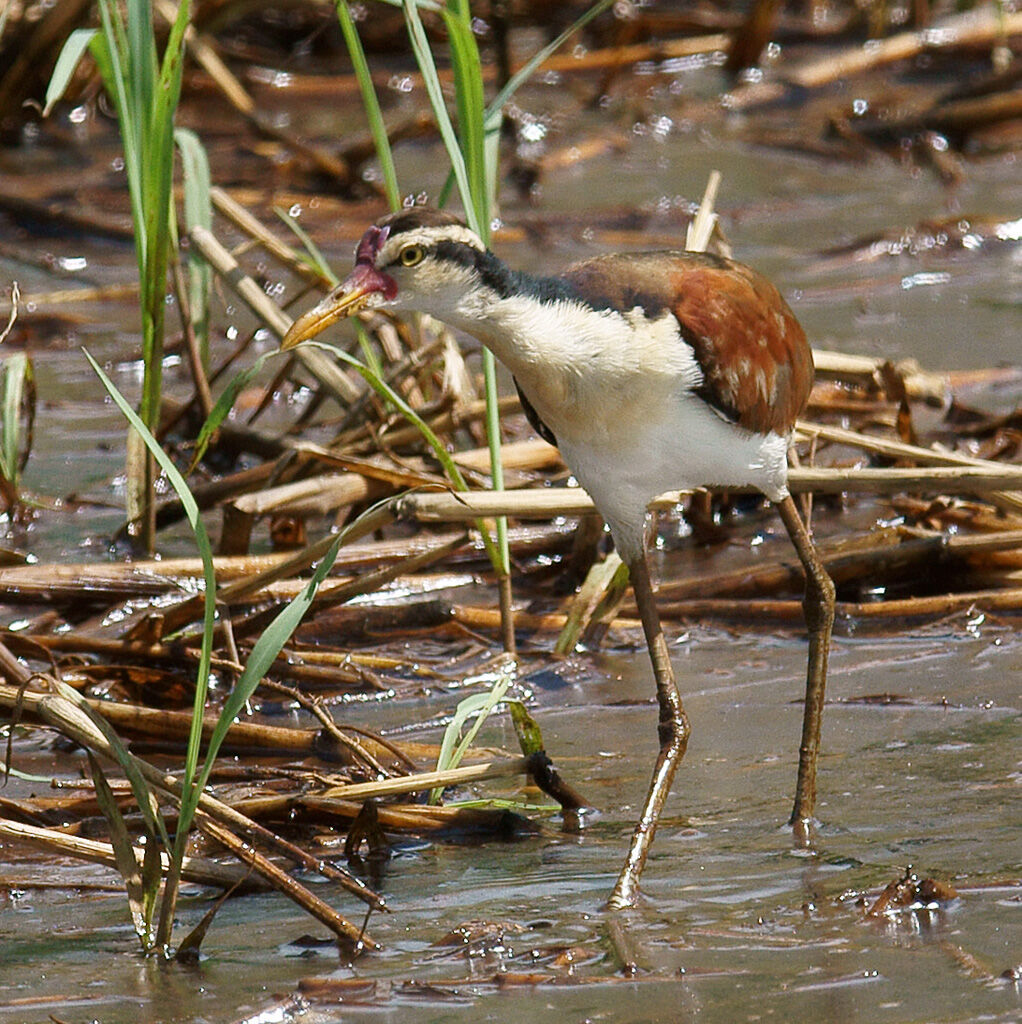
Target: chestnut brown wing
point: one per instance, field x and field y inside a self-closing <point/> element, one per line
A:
<point x="757" y="365"/>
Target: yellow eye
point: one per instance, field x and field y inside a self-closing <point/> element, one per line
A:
<point x="411" y="254"/>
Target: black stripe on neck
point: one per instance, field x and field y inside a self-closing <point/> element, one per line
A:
<point x="496" y="275"/>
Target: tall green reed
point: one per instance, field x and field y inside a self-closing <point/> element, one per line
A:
<point x="145" y="91"/>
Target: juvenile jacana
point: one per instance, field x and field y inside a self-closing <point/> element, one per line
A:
<point x="650" y="371"/>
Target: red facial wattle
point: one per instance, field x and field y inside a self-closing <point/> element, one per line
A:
<point x="365" y="279"/>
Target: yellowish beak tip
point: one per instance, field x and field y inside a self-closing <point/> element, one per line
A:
<point x="316" y="320"/>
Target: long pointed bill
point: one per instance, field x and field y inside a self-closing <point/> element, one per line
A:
<point x="353" y="295"/>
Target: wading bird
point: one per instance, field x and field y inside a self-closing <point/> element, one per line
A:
<point x="649" y="371"/>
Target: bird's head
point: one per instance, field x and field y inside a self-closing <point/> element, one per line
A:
<point x="416" y="259"/>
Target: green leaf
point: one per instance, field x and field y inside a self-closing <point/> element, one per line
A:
<point x="198" y="208"/>
<point x="67" y="63"/>
<point x="315" y="258"/>
<point x="18" y="402"/>
<point x="454" y="745"/>
<point x="223" y="406"/>
<point x="470" y="104"/>
<point x="371" y="103"/>
<point x="190" y="797"/>
<point x="124" y="855"/>
<point x="431" y="80"/>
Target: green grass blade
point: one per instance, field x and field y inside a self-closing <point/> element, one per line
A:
<point x="468" y="162"/>
<point x="503" y="563"/>
<point x="191" y="795"/>
<point x="16" y="370"/>
<point x="453" y="745"/>
<point x="525" y="72"/>
<point x="374" y="115"/>
<point x="431" y="80"/>
<point x="110" y="51"/>
<point x="470" y="104"/>
<point x="315" y="257"/>
<point x="158" y="156"/>
<point x="223" y="406"/>
<point x="142" y="48"/>
<point x="198" y="208"/>
<point x="67" y="63"/>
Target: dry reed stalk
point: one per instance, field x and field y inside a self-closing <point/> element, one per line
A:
<point x="616" y="56"/>
<point x="269" y="740"/>
<point x="572" y="502"/>
<point x="72" y="721"/>
<point x="977" y="27"/>
<point x="741" y="609"/>
<point x="895" y="449"/>
<point x="533" y="454"/>
<point x="441" y="424"/>
<point x="476" y="617"/>
<point x="875" y="556"/>
<point x="252" y="226"/>
<point x="996" y="600"/>
<point x="423" y="781"/>
<point x="973" y="515"/>
<point x="153" y="625"/>
<point x="316" y="495"/>
<point x="922" y="385"/>
<point x="200" y="870"/>
<point x="417" y="819"/>
<point x="38" y="301"/>
<point x="341" y="386"/>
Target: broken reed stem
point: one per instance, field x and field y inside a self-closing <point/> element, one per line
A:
<point x="751" y="609"/>
<point x="70" y="720"/>
<point x="575" y="501"/>
<point x="324" y="369"/>
<point x="252" y="226"/>
<point x="973" y="27"/>
<point x="895" y="449"/>
<point x="316" y="709"/>
<point x="199" y="870"/>
<point x="270" y="740"/>
<point x="355" y="940"/>
<point x="423" y="781"/>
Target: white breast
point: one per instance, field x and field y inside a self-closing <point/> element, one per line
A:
<point x="617" y="390"/>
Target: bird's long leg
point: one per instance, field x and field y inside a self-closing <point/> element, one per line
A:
<point x="818" y="606"/>
<point x="673" y="731"/>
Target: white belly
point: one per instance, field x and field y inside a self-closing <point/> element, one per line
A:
<point x="617" y="390"/>
<point x="679" y="444"/>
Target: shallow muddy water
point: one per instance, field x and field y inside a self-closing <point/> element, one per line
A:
<point x="737" y="924"/>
